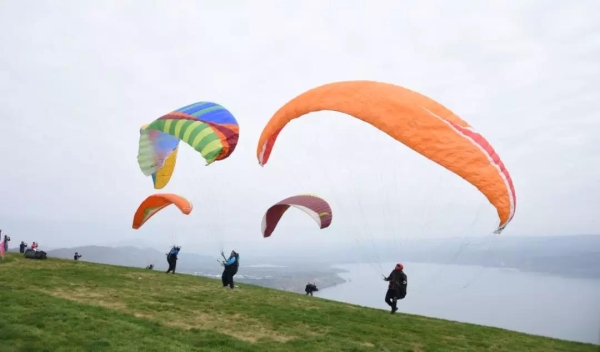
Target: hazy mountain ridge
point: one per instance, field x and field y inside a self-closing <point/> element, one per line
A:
<point x="283" y="278"/>
<point x="571" y="256"/>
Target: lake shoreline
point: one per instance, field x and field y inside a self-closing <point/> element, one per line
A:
<point x="575" y="275"/>
<point x="506" y="298"/>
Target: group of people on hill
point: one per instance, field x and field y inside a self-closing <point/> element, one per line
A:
<point x="4" y="239"/>
<point x="396" y="288"/>
<point x="230" y="265"/>
<point x="398" y="281"/>
<point x="29" y="252"/>
<point x="23" y="246"/>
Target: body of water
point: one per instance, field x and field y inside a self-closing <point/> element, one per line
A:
<point x="533" y="303"/>
<point x="264" y="266"/>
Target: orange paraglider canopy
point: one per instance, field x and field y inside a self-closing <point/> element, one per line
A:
<point x="156" y="202"/>
<point x="413" y="119"/>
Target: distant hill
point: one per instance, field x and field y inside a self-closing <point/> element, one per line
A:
<point x="126" y="256"/>
<point x="284" y="278"/>
<point x="81" y="306"/>
<point x="572" y="256"/>
<point x="136" y="257"/>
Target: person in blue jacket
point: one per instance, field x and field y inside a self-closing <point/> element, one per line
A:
<point x="172" y="258"/>
<point x="231" y="267"/>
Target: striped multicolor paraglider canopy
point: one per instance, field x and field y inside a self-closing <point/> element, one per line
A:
<point x="157" y="155"/>
<point x="207" y="127"/>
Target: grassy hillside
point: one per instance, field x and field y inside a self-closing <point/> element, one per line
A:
<point x="60" y="305"/>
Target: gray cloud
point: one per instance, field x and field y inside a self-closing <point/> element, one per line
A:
<point x="77" y="82"/>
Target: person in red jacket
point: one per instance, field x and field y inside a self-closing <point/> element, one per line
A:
<point x="397" y="286"/>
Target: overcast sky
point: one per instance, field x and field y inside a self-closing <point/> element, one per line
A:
<point x="77" y="80"/>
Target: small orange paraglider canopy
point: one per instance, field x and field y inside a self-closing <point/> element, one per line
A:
<point x="156" y="202"/>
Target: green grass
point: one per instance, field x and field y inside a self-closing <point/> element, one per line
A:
<point x="59" y="305"/>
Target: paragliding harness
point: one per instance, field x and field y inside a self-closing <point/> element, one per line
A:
<point x="398" y="281"/>
<point x="396" y="288"/>
<point x="33" y="254"/>
<point x="173" y="252"/>
<point x="233" y="268"/>
<point x="236" y="265"/>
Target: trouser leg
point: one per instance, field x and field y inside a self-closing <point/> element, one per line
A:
<point x="231" y="280"/>
<point x="171" y="267"/>
<point x="224" y="278"/>
<point x="390" y="298"/>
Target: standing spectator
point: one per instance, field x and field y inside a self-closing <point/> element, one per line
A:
<point x="5" y="242"/>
